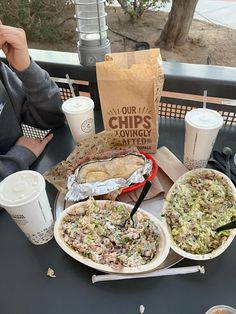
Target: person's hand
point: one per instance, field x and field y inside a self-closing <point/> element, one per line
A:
<point x="14" y="44"/>
<point x="35" y="145"/>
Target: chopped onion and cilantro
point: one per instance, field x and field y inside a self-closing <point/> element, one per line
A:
<point x="95" y="231"/>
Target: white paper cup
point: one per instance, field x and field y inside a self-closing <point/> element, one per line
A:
<point x="201" y="129"/>
<point x="79" y="112"/>
<point x="23" y="196"/>
<point x="221" y="309"/>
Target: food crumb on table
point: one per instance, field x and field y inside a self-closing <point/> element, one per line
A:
<point x="141" y="309"/>
<point x="51" y="273"/>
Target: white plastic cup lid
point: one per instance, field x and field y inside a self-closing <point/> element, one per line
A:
<point x="77" y="105"/>
<point x="204" y="118"/>
<point x="21" y="187"/>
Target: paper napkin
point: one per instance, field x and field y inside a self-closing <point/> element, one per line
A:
<point x="170" y="168"/>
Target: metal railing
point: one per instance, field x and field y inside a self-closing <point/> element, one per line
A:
<point x="183" y="87"/>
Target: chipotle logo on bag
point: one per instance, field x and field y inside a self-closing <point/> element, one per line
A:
<point x="131" y="125"/>
<point x="130" y="85"/>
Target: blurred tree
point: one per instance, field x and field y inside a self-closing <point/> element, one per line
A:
<point x="175" y="32"/>
<point x="135" y="8"/>
<point x="41" y="20"/>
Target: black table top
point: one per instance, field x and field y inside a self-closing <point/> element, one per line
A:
<point x="25" y="288"/>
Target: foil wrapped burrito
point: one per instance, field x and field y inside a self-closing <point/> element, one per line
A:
<point x="104" y="176"/>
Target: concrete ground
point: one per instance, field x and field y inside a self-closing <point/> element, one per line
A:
<point x="222" y="12"/>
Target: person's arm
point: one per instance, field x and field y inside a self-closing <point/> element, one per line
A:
<point x="35" y="99"/>
<point x="16" y="159"/>
<point x="30" y="88"/>
<point x="42" y="106"/>
<point x="22" y="155"/>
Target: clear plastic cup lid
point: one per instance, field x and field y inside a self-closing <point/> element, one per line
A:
<point x="77" y="105"/>
<point x="204" y="118"/>
<point x="20" y="187"/>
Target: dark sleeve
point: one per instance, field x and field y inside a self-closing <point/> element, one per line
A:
<point x="17" y="158"/>
<point x="35" y="96"/>
<point x="43" y="102"/>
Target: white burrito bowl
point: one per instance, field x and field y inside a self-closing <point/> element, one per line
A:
<point x="161" y="255"/>
<point x="174" y="245"/>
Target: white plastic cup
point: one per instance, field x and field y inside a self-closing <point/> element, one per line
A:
<point x="201" y="129"/>
<point x="79" y="112"/>
<point x="24" y="197"/>
<point x="221" y="309"/>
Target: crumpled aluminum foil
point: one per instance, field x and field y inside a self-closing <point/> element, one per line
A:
<point x="79" y="191"/>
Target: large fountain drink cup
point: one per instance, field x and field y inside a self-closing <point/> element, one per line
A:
<point x="23" y="196"/>
<point x="201" y="129"/>
<point x="79" y="112"/>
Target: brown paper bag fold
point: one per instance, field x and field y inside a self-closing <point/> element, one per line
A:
<point x="170" y="168"/>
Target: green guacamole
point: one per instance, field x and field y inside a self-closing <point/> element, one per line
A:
<point x="197" y="205"/>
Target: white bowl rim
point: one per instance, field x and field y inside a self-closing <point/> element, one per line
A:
<point x="155" y="262"/>
<point x="173" y="244"/>
<point x="220" y="307"/>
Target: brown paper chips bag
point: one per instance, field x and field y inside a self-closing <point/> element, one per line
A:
<point x="130" y="86"/>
